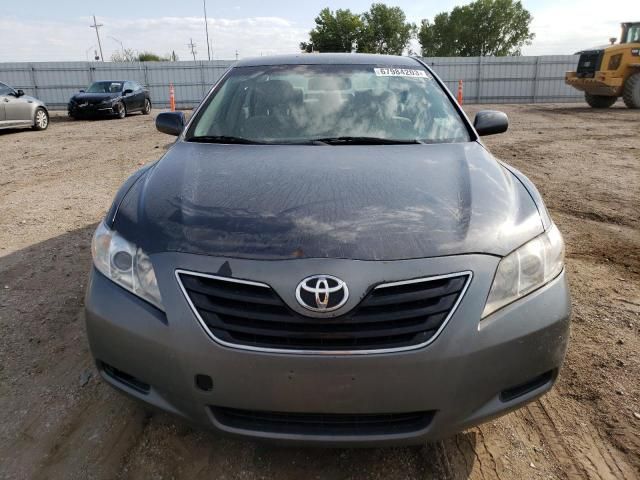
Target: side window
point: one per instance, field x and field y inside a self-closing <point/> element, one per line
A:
<point x="5" y="90"/>
<point x="207" y="125"/>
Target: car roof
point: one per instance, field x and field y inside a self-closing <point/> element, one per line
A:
<point x="330" y="59"/>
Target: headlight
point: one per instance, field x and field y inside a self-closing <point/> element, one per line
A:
<point x="526" y="269"/>
<point x="125" y="264"/>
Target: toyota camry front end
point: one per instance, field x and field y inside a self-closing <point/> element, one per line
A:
<point x="329" y="255"/>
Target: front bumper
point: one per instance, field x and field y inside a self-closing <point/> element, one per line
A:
<point x="461" y="377"/>
<point x="90" y="110"/>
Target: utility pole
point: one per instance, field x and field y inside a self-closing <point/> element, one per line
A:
<point x="192" y="46"/>
<point x="206" y="28"/>
<point x="97" y="26"/>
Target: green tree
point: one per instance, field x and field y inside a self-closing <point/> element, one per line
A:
<point x="334" y="32"/>
<point x="385" y="30"/>
<point x="150" y="57"/>
<point x="481" y="28"/>
<point x="130" y="55"/>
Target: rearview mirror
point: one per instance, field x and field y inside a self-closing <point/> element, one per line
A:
<point x="20" y="93"/>
<point x="81" y="91"/>
<point x="490" y="122"/>
<point x="128" y="91"/>
<point x="170" y="123"/>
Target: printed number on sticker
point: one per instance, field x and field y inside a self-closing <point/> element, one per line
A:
<point x="400" y="72"/>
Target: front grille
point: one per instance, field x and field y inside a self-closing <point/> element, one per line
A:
<point x="391" y="316"/>
<point x="124" y="377"/>
<point x="589" y="63"/>
<point x="323" y="423"/>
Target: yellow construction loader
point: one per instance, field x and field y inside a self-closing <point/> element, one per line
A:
<point x="608" y="73"/>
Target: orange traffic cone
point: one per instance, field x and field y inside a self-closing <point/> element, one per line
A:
<point x="172" y="98"/>
<point x="460" y="92"/>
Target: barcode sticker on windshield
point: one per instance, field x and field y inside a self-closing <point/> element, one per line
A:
<point x="400" y="72"/>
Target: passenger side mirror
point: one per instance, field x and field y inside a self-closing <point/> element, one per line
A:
<point x="170" y="123"/>
<point x="20" y="93"/>
<point x="128" y="91"/>
<point x="490" y="122"/>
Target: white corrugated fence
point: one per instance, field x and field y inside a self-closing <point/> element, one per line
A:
<point x="486" y="79"/>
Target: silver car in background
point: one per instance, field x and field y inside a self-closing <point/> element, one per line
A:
<point x="18" y="110"/>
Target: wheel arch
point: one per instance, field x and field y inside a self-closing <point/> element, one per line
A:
<point x="35" y="110"/>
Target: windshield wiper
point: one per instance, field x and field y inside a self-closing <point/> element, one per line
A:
<point x="326" y="140"/>
<point x="223" y="139"/>
<point x="365" y="141"/>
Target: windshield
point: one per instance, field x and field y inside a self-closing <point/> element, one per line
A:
<point x="105" y="87"/>
<point x="633" y="34"/>
<point x="5" y="90"/>
<point x="306" y="103"/>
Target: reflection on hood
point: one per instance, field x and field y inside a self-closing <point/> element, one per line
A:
<point x="358" y="202"/>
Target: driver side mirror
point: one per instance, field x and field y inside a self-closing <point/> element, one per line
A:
<point x="170" y="123"/>
<point x="82" y="90"/>
<point x="128" y="91"/>
<point x="490" y="122"/>
<point x="19" y="93"/>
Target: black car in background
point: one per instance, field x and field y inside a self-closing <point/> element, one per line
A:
<point x="110" y="98"/>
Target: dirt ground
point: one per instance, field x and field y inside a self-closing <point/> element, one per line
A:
<point x="58" y="420"/>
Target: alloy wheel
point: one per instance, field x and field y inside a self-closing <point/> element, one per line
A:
<point x="42" y="119"/>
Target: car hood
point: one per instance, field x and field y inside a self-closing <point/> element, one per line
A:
<point x="94" y="97"/>
<point x="357" y="202"/>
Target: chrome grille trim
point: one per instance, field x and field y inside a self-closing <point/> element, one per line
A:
<point x="194" y="310"/>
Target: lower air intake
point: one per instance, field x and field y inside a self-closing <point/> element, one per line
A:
<point x="322" y="423"/>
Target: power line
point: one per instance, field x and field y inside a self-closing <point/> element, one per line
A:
<point x="121" y="44"/>
<point x="86" y="53"/>
<point x="192" y="46"/>
<point x="97" y="26"/>
<point x="206" y="27"/>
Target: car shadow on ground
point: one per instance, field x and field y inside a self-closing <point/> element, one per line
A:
<point x="60" y="118"/>
<point x="61" y="421"/>
<point x="616" y="109"/>
<point x="9" y="131"/>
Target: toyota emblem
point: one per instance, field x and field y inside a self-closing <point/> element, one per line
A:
<point x="322" y="293"/>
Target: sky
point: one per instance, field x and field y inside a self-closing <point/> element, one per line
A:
<point x="58" y="30"/>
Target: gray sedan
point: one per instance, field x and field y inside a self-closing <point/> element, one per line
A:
<point x="18" y="110"/>
<point x="328" y="254"/>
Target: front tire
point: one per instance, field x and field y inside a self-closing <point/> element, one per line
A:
<point x="40" y="119"/>
<point x="146" y="110"/>
<point x="631" y="93"/>
<point x="121" y="110"/>
<point x="599" y="101"/>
